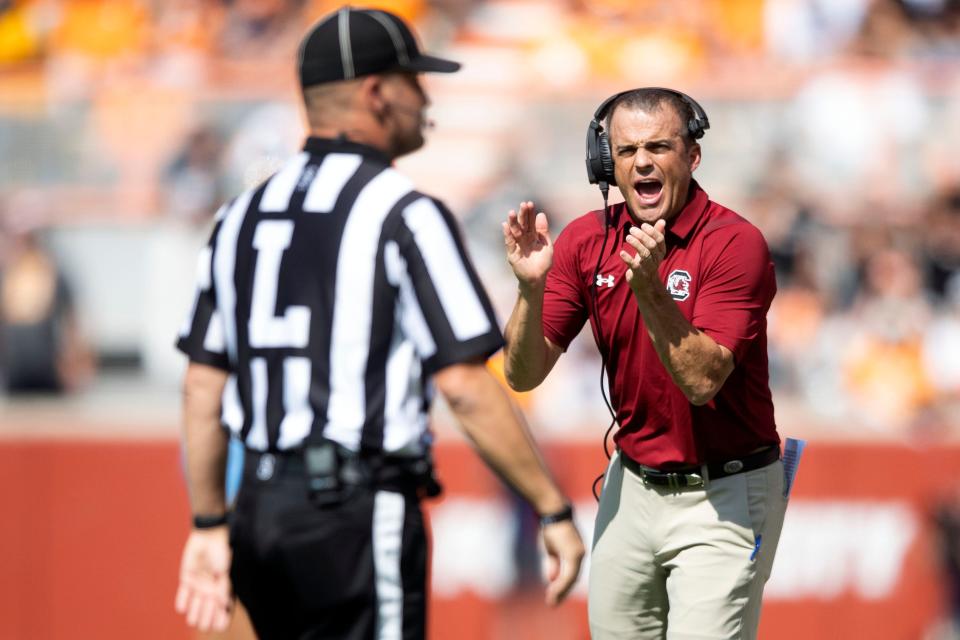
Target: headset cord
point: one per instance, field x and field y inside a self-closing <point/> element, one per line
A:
<point x="604" y="189"/>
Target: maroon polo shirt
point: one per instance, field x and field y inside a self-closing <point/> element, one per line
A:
<point x="718" y="270"/>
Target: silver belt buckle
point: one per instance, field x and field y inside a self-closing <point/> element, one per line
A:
<point x="266" y="466"/>
<point x="694" y="479"/>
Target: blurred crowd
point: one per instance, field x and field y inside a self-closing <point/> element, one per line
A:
<point x="866" y="324"/>
<point x="41" y="347"/>
<point x="682" y="36"/>
<point x="835" y="129"/>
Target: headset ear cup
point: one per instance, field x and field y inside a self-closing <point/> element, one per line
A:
<point x="606" y="158"/>
<point x="593" y="150"/>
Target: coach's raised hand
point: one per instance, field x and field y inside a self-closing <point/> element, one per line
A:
<point x="528" y="355"/>
<point x="529" y="246"/>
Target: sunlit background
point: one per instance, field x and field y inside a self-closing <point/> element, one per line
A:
<point x="835" y="126"/>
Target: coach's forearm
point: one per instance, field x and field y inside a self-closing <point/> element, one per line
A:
<point x="205" y="441"/>
<point x="527" y="358"/>
<point x="499" y="433"/>
<point x="697" y="364"/>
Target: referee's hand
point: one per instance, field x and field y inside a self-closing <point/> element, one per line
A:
<point x="564" y="555"/>
<point x="204" y="595"/>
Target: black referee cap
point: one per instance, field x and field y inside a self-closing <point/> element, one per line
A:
<point x="351" y="43"/>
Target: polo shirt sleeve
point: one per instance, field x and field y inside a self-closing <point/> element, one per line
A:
<point x="736" y="289"/>
<point x="202" y="333"/>
<point x="442" y="305"/>
<point x="564" y="309"/>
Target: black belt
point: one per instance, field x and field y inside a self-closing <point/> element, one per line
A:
<point x="694" y="476"/>
<point x="383" y="472"/>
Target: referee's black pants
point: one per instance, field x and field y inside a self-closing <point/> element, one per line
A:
<point x="353" y="571"/>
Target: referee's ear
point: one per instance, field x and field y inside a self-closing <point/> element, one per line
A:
<point x="370" y="96"/>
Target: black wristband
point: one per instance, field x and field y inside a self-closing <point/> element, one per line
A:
<point x="551" y="518"/>
<point x="204" y="521"/>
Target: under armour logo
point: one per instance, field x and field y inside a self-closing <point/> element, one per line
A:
<point x="605" y="280"/>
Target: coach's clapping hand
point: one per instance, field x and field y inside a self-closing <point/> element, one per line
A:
<point x="204" y="592"/>
<point x="528" y="244"/>
<point x="564" y="555"/>
<point x="649" y="242"/>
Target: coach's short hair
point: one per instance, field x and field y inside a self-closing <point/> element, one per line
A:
<point x="652" y="99"/>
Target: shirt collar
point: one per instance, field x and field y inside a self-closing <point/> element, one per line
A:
<point x="686" y="220"/>
<point x="321" y="146"/>
<point x="681" y="226"/>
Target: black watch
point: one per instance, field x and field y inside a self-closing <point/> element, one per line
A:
<point x="206" y="521"/>
<point x="559" y="516"/>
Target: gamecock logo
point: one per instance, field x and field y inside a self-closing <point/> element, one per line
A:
<point x="678" y="284"/>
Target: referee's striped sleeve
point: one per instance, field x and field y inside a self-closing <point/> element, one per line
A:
<point x="442" y="302"/>
<point x="202" y="336"/>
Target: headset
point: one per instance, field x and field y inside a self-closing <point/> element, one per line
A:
<point x="600" y="172"/>
<point x="599" y="156"/>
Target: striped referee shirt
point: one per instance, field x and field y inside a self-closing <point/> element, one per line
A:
<point x="331" y="293"/>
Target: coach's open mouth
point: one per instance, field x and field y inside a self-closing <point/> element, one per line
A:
<point x="649" y="191"/>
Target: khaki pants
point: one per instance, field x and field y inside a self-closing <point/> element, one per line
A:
<point x="683" y="563"/>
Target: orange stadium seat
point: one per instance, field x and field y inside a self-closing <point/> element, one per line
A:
<point x="412" y="10"/>
<point x="102" y="28"/>
<point x="19" y="39"/>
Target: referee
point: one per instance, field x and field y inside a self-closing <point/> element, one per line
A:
<point x="332" y="300"/>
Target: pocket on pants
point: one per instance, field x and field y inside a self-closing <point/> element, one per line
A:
<point x="761" y="507"/>
<point x="742" y="501"/>
<point x="757" y="493"/>
<point x="730" y="498"/>
<point x="773" y="508"/>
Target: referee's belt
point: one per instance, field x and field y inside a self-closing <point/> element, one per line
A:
<point x="697" y="476"/>
<point x="382" y="472"/>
